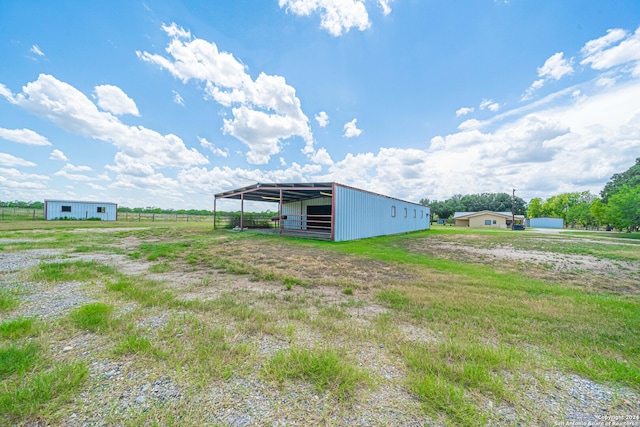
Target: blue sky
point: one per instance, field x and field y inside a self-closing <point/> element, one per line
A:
<point x="164" y="104"/>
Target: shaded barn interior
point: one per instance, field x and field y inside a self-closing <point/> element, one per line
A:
<point x="304" y="209"/>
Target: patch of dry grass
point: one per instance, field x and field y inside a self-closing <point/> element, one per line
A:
<point x="213" y="312"/>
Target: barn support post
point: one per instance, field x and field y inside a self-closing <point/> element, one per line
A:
<point x="241" y="211"/>
<point x="333" y="211"/>
<point x="215" y="199"/>
<point x="280" y="220"/>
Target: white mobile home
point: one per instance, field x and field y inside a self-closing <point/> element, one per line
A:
<point x="70" y="209"/>
<point x="333" y="211"/>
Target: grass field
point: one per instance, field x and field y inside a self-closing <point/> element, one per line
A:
<point x="177" y="324"/>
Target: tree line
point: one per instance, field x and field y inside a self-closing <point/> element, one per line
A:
<point x="154" y="210"/>
<point x="496" y="202"/>
<point x="22" y="205"/>
<point x="617" y="207"/>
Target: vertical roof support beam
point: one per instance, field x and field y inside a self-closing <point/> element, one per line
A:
<point x="241" y="211"/>
<point x="280" y="220"/>
<point x="333" y="211"/>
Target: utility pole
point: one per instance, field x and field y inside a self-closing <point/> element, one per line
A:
<point x="513" y="209"/>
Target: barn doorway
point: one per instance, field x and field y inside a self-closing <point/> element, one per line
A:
<point x="319" y="218"/>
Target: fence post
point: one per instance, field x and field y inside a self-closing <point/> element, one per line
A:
<point x="34" y="215"/>
<point x="138" y="217"/>
<point x="153" y="217"/>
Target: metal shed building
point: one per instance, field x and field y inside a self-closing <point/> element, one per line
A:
<point x="333" y="211"/>
<point x="545" y="222"/>
<point x="70" y="209"/>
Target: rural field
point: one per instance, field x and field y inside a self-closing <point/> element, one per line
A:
<point x="177" y="324"/>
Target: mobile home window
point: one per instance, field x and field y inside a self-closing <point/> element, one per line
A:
<point x="405" y="212"/>
<point x="421" y="214"/>
<point x="66" y="209"/>
<point x="101" y="209"/>
<point x="495" y="221"/>
<point x="414" y="213"/>
<point x="487" y="222"/>
<point x="393" y="211"/>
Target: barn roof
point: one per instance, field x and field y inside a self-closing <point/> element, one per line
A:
<point x="270" y="192"/>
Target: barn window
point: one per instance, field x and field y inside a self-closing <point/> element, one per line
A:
<point x="66" y="208"/>
<point x="101" y="209"/>
<point x="393" y="211"/>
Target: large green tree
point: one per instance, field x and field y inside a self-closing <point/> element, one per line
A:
<point x="497" y="202"/>
<point x="624" y="208"/>
<point x="534" y="210"/>
<point x="630" y="177"/>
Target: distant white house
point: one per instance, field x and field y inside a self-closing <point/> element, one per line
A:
<point x="486" y="219"/>
<point x="73" y="209"/>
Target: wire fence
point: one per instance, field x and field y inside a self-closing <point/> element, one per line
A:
<point x="21" y="214"/>
<point x="222" y="219"/>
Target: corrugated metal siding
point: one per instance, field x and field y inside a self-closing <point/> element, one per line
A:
<point x="297" y="211"/>
<point x="546" y="222"/>
<point x="361" y="214"/>
<point x="80" y="210"/>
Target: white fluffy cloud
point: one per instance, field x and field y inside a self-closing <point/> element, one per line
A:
<point x="74" y="112"/>
<point x="57" y="155"/>
<point x="23" y="136"/>
<point x="554" y="68"/>
<point x="36" y="49"/>
<point x="335" y="16"/>
<point x="351" y="129"/>
<point x="113" y="99"/>
<point x="73" y="168"/>
<point x="605" y="52"/>
<point x="490" y="105"/>
<point x="13" y="178"/>
<point x="385" y="5"/>
<point x="177" y="98"/>
<point x="463" y="111"/>
<point x="322" y="157"/>
<point x="10" y="160"/>
<point x="266" y="111"/>
<point x="322" y="118"/>
<point x="211" y="147"/>
<point x="73" y="176"/>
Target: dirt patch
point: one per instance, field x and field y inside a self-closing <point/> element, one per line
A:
<point x="107" y="230"/>
<point x="314" y="265"/>
<point x="584" y="270"/>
